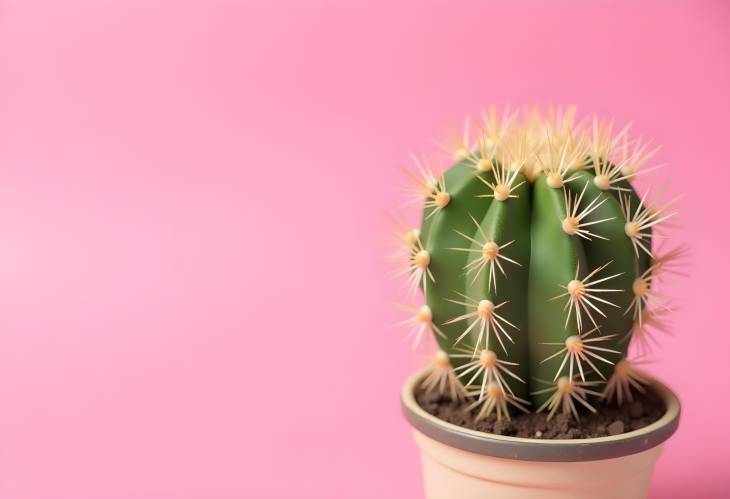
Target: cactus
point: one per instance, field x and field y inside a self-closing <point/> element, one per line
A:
<point x="535" y="260"/>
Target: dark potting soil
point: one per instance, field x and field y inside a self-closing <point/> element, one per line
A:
<point x="610" y="419"/>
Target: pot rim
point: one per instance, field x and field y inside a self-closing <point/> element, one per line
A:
<point x="531" y="449"/>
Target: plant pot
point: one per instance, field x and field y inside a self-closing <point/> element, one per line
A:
<point x="467" y="464"/>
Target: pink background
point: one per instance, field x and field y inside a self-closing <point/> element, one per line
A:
<point x="193" y="297"/>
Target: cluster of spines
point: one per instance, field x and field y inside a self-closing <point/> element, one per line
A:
<point x="556" y="148"/>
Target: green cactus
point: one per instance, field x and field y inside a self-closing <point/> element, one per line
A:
<point x="535" y="260"/>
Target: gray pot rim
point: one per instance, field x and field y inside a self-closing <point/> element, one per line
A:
<point x="530" y="449"/>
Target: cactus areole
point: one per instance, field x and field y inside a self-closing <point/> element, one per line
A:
<point x="535" y="264"/>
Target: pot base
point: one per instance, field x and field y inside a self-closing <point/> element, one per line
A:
<point x="451" y="472"/>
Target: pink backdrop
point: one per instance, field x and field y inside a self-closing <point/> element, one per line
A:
<point x="192" y="201"/>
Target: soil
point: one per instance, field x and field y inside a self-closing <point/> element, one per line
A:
<point x="610" y="419"/>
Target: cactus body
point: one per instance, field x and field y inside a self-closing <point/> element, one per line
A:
<point x="535" y="265"/>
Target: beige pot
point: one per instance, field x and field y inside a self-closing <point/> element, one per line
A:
<point x="464" y="464"/>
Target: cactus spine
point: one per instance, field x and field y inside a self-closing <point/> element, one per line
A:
<point x="535" y="260"/>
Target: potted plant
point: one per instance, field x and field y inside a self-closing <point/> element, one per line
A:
<point x="537" y="263"/>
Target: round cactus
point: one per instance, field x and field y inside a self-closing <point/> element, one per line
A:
<point x="535" y="260"/>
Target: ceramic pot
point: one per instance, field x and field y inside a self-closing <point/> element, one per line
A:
<point x="459" y="463"/>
